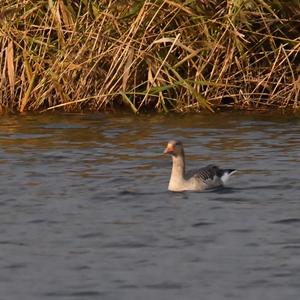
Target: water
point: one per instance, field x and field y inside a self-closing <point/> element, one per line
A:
<point x="85" y="212"/>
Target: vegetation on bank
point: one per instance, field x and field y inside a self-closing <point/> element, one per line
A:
<point x="149" y="54"/>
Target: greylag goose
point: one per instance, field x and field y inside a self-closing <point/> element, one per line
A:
<point x="208" y="177"/>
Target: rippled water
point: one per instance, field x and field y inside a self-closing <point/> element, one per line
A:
<point x="85" y="212"/>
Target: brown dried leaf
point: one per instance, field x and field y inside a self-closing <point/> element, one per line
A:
<point x="10" y="67"/>
<point x="66" y="15"/>
<point x="127" y="68"/>
<point x="26" y="97"/>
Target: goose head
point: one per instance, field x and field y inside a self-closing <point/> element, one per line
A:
<point x="175" y="148"/>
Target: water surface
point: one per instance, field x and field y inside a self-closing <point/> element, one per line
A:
<point x="85" y="212"/>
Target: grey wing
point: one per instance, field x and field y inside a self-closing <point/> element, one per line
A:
<point x="207" y="173"/>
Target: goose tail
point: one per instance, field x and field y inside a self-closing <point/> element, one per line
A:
<point x="226" y="174"/>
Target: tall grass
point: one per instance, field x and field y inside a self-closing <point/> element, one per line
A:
<point x="153" y="54"/>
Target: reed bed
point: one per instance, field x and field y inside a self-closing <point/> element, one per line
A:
<point x="162" y="55"/>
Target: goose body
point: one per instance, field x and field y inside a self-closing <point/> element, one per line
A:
<point x="208" y="177"/>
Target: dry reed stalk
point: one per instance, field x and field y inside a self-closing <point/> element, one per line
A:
<point x="159" y="54"/>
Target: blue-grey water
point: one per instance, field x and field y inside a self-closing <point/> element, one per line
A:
<point x="85" y="212"/>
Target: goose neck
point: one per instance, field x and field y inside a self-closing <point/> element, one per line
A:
<point x="178" y="169"/>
